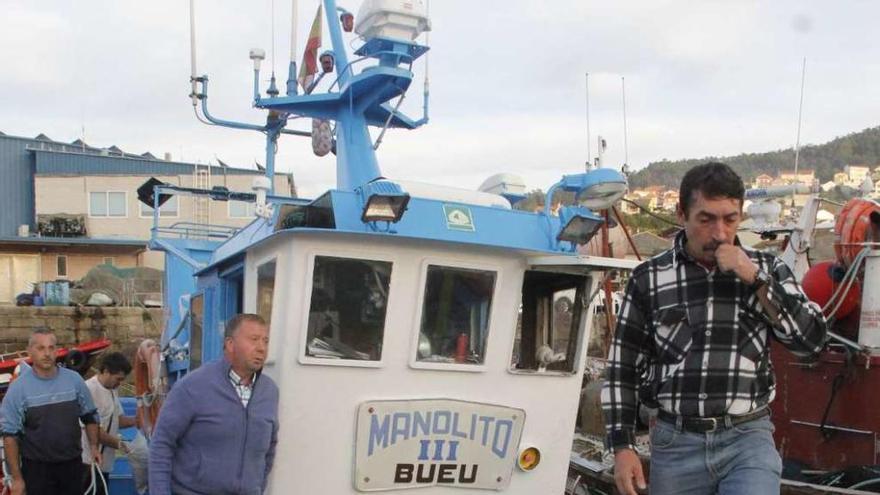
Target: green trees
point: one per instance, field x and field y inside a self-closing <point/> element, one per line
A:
<point x="860" y="148"/>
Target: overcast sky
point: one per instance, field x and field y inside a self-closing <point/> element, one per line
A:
<point x="713" y="77"/>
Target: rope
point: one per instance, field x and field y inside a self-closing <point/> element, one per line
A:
<point x="93" y="485"/>
<point x="845" y="284"/>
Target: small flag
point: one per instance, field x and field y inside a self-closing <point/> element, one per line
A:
<point x="309" y="66"/>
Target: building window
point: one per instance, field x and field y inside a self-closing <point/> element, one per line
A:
<point x="168" y="209"/>
<point x="347" y="310"/>
<point x="265" y="290"/>
<point x="455" y="315"/>
<point x="61" y="266"/>
<point x="242" y="209"/>
<point x="548" y="332"/>
<point x="108" y="204"/>
<point x="108" y="261"/>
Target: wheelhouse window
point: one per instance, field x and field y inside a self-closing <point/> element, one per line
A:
<point x="549" y="325"/>
<point x="265" y="290"/>
<point x="455" y="315"/>
<point x="347" y="309"/>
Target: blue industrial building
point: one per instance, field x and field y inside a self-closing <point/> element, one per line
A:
<point x="21" y="159"/>
<point x="30" y="252"/>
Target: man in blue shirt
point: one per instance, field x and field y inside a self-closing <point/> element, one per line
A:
<point x="217" y="431"/>
<point x="40" y="421"/>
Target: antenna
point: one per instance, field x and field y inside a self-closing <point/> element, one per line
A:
<point x="589" y="139"/>
<point x="272" y="29"/>
<point x="797" y="146"/>
<point x="625" y="142"/>
<point x="291" y="71"/>
<point x="427" y="42"/>
<point x="192" y="52"/>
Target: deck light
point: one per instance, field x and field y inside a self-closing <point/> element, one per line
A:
<point x="579" y="224"/>
<point x="600" y="188"/>
<point x="597" y="189"/>
<point x="146" y="191"/>
<point x="383" y="200"/>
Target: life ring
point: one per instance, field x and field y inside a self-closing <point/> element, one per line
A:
<point x="854" y="227"/>
<point x="147" y="384"/>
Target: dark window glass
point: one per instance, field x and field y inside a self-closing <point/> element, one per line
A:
<point x="347" y="309"/>
<point x="549" y="324"/>
<point x="455" y="315"/>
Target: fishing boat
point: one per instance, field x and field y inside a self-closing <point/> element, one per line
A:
<point x="78" y="357"/>
<point x="425" y="339"/>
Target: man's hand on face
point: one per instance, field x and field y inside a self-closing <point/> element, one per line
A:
<point x="628" y="473"/>
<point x="732" y="258"/>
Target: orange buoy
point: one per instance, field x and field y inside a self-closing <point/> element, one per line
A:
<point x="853" y="227"/>
<point x="147" y="384"/>
<point x="822" y="280"/>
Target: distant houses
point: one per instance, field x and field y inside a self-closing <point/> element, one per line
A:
<point x="661" y="199"/>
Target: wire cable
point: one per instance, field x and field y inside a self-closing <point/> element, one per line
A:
<point x="649" y="212"/>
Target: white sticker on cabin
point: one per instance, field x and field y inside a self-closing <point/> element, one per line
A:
<point x="459" y="218"/>
<point x="419" y="443"/>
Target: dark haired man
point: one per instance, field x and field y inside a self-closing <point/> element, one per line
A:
<point x="692" y="342"/>
<point x="112" y="370"/>
<point x="219" y="426"/>
<point x="40" y="421"/>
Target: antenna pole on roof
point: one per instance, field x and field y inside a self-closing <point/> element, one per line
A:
<point x="625" y="141"/>
<point x="194" y="94"/>
<point x="291" y="68"/>
<point x="797" y="145"/>
<point x="589" y="162"/>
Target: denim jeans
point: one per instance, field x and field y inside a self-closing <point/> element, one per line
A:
<point x="740" y="460"/>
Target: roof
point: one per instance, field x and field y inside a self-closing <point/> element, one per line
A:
<point x="75" y="244"/>
<point x="79" y="158"/>
<point x="121" y="241"/>
<point x="52" y="162"/>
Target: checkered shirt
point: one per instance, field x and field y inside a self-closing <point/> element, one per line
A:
<point x="694" y="341"/>
<point x="244" y="391"/>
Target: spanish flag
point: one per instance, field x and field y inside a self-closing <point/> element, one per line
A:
<point x="309" y="66"/>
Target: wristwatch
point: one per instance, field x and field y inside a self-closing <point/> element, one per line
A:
<point x="762" y="278"/>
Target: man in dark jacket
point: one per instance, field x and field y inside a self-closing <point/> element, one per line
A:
<point x="217" y="431"/>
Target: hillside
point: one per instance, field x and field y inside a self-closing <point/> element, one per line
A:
<point x="826" y="159"/>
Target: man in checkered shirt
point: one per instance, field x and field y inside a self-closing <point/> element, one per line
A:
<point x="692" y="340"/>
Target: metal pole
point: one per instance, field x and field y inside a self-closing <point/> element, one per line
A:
<point x="797" y="146"/>
<point x="629" y="238"/>
<point x="625" y="143"/>
<point x="589" y="138"/>
<point x="291" y="66"/>
<point x="192" y="52"/>
<point x="606" y="284"/>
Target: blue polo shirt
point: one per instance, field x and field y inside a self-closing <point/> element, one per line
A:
<point x="45" y="414"/>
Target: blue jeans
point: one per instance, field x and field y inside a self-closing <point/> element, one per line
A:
<point x="740" y="460"/>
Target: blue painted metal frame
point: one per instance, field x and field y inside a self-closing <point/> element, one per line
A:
<point x="362" y="100"/>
